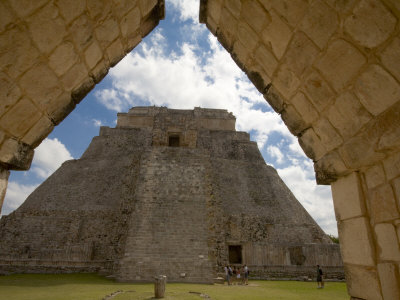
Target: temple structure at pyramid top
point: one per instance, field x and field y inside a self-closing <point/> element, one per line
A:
<point x="173" y="192"/>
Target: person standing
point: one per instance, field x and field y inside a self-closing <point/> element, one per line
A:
<point x="320" y="278"/>
<point x="230" y="273"/>
<point x="226" y="274"/>
<point x="246" y="275"/>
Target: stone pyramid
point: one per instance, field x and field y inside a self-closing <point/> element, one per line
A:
<point x="173" y="192"/>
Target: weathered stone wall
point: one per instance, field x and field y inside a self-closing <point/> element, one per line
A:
<point x="330" y="68"/>
<point x="77" y="219"/>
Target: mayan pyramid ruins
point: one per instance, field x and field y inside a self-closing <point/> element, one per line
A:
<point x="174" y="192"/>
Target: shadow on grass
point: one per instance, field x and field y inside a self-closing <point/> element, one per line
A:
<point x="43" y="280"/>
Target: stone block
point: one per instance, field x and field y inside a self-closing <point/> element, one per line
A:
<point x="356" y="242"/>
<point x="99" y="72"/>
<point x="59" y="108"/>
<point x="63" y="58"/>
<point x="47" y="28"/>
<point x="234" y="7"/>
<point x="9" y="92"/>
<point x="247" y="36"/>
<point x="70" y="9"/>
<point x="329" y="168"/>
<point x="74" y="77"/>
<point x="274" y="99"/>
<point x="396" y="188"/>
<point x="389" y="278"/>
<point x="312" y="145"/>
<point x="212" y="26"/>
<point x="348" y="199"/>
<point x="82" y="90"/>
<point x="98" y="10"/>
<point x="300" y="54"/>
<point x="385" y="130"/>
<point x="41" y="89"/>
<point x="382" y="204"/>
<point x="6" y="16"/>
<point x="130" y="23"/>
<point x="342" y="6"/>
<point x="132" y="42"/>
<point x="293" y="120"/>
<point x="374" y="176"/>
<point x="4" y="174"/>
<point x="291" y="10"/>
<point x="277" y="34"/>
<point x="107" y="32"/>
<point x="214" y="9"/>
<point x="286" y="81"/>
<point x="115" y="52"/>
<point x="254" y="14"/>
<point x="357" y="152"/>
<point x="327" y="134"/>
<point x="240" y="54"/>
<point x="318" y="91"/>
<point x="16" y="155"/>
<point x="25" y="7"/>
<point x="81" y="31"/>
<point x="121" y="7"/>
<point x="266" y="60"/>
<point x="146" y="6"/>
<point x="347" y="115"/>
<point x="391" y="57"/>
<point x="227" y="29"/>
<point x="375" y="83"/>
<point x="370" y="24"/>
<point x="340" y="64"/>
<point x="17" y="53"/>
<point x="38" y="132"/>
<point x="388" y="244"/>
<point x="93" y="54"/>
<point x="363" y="282"/>
<point x="320" y="23"/>
<point x="20" y="117"/>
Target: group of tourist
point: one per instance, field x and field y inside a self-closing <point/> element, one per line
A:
<point x="240" y="275"/>
<point x="237" y="275"/>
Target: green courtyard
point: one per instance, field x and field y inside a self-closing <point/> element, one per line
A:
<point x="94" y="287"/>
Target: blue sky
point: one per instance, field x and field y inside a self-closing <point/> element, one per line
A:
<point x="179" y="65"/>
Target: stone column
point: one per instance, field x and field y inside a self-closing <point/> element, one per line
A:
<point x="159" y="286"/>
<point x="368" y="223"/>
<point x="4" y="173"/>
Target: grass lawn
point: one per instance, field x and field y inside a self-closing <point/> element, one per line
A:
<point x="94" y="287"/>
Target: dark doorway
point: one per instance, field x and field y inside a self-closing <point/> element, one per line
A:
<point x="235" y="254"/>
<point x="173" y="141"/>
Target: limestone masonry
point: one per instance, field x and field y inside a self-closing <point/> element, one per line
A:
<point x="174" y="192"/>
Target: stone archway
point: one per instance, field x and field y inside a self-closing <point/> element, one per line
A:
<point x="330" y="68"/>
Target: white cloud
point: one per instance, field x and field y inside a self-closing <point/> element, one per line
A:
<point x="316" y="199"/>
<point x="49" y="156"/>
<point x="276" y="153"/>
<point x="187" y="9"/>
<point x="97" y="123"/>
<point x="188" y="80"/>
<point x="15" y="196"/>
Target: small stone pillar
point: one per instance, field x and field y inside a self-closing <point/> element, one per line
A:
<point x="159" y="286"/>
<point x="4" y="174"/>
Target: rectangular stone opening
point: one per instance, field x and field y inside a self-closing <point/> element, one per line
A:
<point x="235" y="254"/>
<point x="173" y="141"/>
